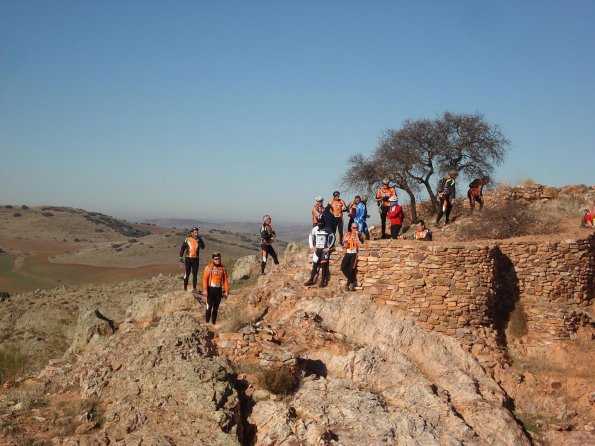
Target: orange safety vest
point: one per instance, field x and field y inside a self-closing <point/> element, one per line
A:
<point x="338" y="207"/>
<point x="192" y="244"/>
<point x="385" y="192"/>
<point x="317" y="211"/>
<point x="351" y="242"/>
<point x="215" y="276"/>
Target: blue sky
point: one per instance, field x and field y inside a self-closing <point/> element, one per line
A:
<point x="235" y="109"/>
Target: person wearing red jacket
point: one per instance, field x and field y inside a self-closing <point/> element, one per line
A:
<point x="215" y="284"/>
<point x="396" y="216"/>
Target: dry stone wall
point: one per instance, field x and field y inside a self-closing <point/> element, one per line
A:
<point x="474" y="290"/>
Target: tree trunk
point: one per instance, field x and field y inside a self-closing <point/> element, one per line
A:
<point x="413" y="205"/>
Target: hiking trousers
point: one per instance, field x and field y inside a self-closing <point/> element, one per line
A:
<point x="191" y="263"/>
<point x="214" y="295"/>
<point x="266" y="251"/>
<point x="348" y="266"/>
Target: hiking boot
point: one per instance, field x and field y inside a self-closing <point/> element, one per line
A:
<point x="348" y="287"/>
<point x="352" y="286"/>
<point x="309" y="283"/>
<point x="322" y="284"/>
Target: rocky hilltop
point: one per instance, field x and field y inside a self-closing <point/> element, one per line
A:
<point x="290" y="365"/>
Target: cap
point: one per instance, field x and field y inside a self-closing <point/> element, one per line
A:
<point x="336" y="193"/>
<point x="319" y="198"/>
<point x="393" y="198"/>
<point x="216" y="254"/>
<point x="385" y="181"/>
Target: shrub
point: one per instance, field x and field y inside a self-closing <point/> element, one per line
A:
<point x="116" y="245"/>
<point x="132" y="240"/>
<point x="8" y="206"/>
<point x="512" y="219"/>
<point x="12" y="362"/>
<point x="16" y="214"/>
<point x="278" y="381"/>
<point x="24" y="206"/>
<point x="47" y="214"/>
<point x="98" y="230"/>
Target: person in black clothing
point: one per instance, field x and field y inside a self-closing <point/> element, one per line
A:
<point x="446" y="193"/>
<point x="191" y="246"/>
<point x="267" y="236"/>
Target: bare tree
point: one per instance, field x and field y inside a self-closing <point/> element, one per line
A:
<point x="469" y="145"/>
<point x="410" y="156"/>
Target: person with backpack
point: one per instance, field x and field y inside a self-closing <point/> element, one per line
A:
<point x="317" y="211"/>
<point x="351" y="245"/>
<point x="445" y="193"/>
<point x="351" y="210"/>
<point x="338" y="206"/>
<point x="189" y="253"/>
<point x="475" y="193"/>
<point x="361" y="215"/>
<point x="321" y="241"/>
<point x="215" y="283"/>
<point x="267" y="237"/>
<point x="383" y="194"/>
<point x="396" y="216"/>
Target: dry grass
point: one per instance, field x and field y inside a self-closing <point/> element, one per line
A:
<point x="278" y="381"/>
<point x="511" y="219"/>
<point x="236" y="318"/>
<point x="13" y="362"/>
<point x="31" y="397"/>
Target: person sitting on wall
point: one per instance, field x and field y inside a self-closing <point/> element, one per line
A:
<point x="422" y="232"/>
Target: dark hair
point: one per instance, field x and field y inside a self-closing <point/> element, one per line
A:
<point x="357" y="196"/>
<point x="421" y="222"/>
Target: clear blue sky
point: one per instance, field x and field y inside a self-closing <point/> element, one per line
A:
<point x="203" y="109"/>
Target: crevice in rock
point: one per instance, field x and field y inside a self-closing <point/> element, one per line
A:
<point x="246" y="432"/>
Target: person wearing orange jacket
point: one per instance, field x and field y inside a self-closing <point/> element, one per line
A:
<point x="396" y="216"/>
<point x="215" y="284"/>
<point x="191" y="246"/>
<point x="351" y="245"/>
<point x="338" y="206"/>
<point x="383" y="194"/>
<point x="317" y="210"/>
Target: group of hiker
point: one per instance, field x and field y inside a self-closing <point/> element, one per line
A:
<point x="327" y="221"/>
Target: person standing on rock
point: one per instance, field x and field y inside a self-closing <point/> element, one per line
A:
<point x="267" y="236"/>
<point x="396" y="216"/>
<point x="446" y="193"/>
<point x="475" y="192"/>
<point x="215" y="284"/>
<point x="191" y="246"/>
<point x="383" y="194"/>
<point x="351" y="245"/>
<point x="317" y="210"/>
<point x="338" y="206"/>
<point x="361" y="215"/>
<point x="321" y="242"/>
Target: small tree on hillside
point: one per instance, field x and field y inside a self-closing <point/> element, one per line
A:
<point x="410" y="156"/>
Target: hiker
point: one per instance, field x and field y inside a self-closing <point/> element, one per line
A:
<point x="587" y="221"/>
<point x="338" y="207"/>
<point x="330" y="222"/>
<point x="215" y="284"/>
<point x="351" y="210"/>
<point x="317" y="210"/>
<point x="422" y="232"/>
<point x="351" y="245"/>
<point x="446" y="193"/>
<point x="192" y="244"/>
<point x="267" y="236"/>
<point x="396" y="216"/>
<point x="321" y="241"/>
<point x="475" y="192"/>
<point x="361" y="215"/>
<point x="383" y="194"/>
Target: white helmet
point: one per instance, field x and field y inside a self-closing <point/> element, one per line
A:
<point x="319" y="198"/>
<point x="393" y="198"/>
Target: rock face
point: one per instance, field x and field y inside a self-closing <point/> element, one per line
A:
<point x="395" y="384"/>
<point x="245" y="267"/>
<point x="157" y="384"/>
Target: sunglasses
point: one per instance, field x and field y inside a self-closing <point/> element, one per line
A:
<point x="216" y="258"/>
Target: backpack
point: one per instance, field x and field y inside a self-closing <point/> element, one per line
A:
<point x="440" y="187"/>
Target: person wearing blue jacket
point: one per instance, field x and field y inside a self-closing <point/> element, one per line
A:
<point x="361" y="215"/>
